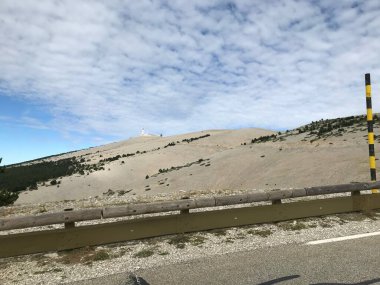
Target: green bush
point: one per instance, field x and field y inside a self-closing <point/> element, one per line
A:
<point x="7" y="198"/>
<point x="33" y="186"/>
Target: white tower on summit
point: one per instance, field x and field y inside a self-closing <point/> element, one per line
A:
<point x="145" y="134"/>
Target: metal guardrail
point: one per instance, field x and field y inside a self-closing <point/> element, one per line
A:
<point x="70" y="217"/>
<point x="137" y="228"/>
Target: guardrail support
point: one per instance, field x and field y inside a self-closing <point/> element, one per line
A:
<point x="62" y="239"/>
<point x="70" y="216"/>
<point x="185" y="211"/>
<point x="69" y="225"/>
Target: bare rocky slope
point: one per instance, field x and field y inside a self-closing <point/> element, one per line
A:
<point x="203" y="163"/>
<point x="320" y="153"/>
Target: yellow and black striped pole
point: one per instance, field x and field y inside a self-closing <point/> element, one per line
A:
<point x="371" y="136"/>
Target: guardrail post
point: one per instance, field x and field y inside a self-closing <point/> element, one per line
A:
<point x="69" y="225"/>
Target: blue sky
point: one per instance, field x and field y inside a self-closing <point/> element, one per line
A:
<point x="75" y="74"/>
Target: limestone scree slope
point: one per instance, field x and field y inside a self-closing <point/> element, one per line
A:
<point x="321" y="153"/>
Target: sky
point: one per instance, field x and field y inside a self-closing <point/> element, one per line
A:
<point x="75" y="74"/>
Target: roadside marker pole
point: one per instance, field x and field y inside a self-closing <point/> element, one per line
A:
<point x="371" y="137"/>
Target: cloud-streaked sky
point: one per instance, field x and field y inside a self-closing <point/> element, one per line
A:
<point x="81" y="73"/>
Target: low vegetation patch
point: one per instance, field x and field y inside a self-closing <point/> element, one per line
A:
<point x="100" y="255"/>
<point x="123" y="192"/>
<point x="219" y="232"/>
<point x="170" y="144"/>
<point x="110" y="192"/>
<point x="340" y="125"/>
<point x="180" y="241"/>
<point x="197" y="240"/>
<point x="321" y="129"/>
<point x="325" y="224"/>
<point x="292" y="226"/>
<point x="54" y="270"/>
<point x="200" y="161"/>
<point x="110" y="159"/>
<point x="357" y="217"/>
<point x="229" y="240"/>
<point x="26" y="176"/>
<point x="187" y="140"/>
<point x="263" y="139"/>
<point x="144" y="253"/>
<point x="196" y="138"/>
<point x="7" y="198"/>
<point x="261" y="233"/>
<point x="85" y="255"/>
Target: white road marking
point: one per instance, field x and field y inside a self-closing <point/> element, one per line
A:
<point x="342" y="238"/>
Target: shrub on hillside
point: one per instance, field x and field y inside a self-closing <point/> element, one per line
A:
<point x="7" y="198"/>
<point x="19" y="178"/>
<point x="264" y="139"/>
<point x="33" y="186"/>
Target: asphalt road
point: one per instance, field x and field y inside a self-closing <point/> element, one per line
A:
<point x="345" y="262"/>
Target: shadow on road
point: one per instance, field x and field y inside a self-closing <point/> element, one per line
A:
<point x="367" y="282"/>
<point x="281" y="279"/>
<point x="286" y="278"/>
<point x="136" y="280"/>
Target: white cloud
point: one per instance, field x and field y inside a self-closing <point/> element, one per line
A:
<point x="113" y="67"/>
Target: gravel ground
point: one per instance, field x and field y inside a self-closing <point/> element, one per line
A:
<point x="85" y="263"/>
